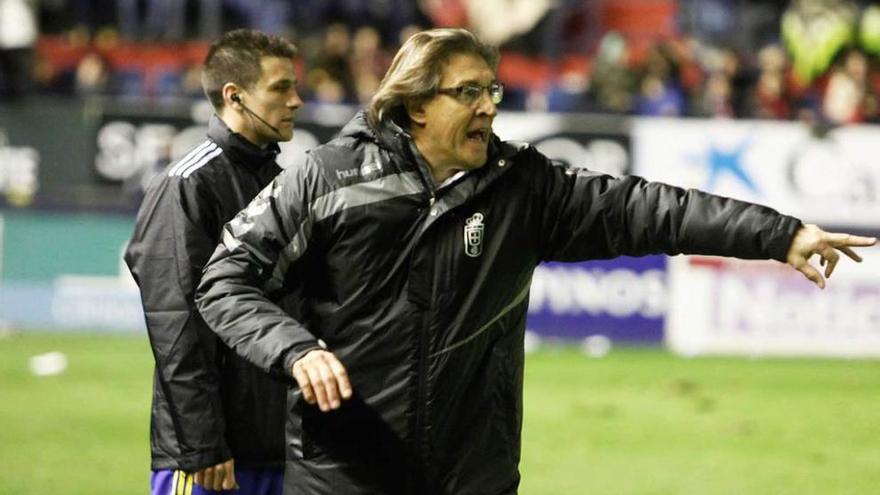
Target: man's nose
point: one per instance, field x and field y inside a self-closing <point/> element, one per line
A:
<point x="485" y="105"/>
<point x="294" y="101"/>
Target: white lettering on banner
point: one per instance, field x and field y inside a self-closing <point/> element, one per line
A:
<point x="619" y="292"/>
<point x="84" y="302"/>
<point x="18" y="171"/>
<point x="126" y="149"/>
<point x="599" y="155"/>
<point x="851" y="181"/>
<point x="767" y="309"/>
<point x="728" y="306"/>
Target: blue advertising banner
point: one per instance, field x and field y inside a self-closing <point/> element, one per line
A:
<point x="623" y="299"/>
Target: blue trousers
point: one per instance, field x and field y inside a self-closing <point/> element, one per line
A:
<point x="250" y="482"/>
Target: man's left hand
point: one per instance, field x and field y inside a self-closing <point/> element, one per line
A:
<point x="810" y="240"/>
<point x="219" y="477"/>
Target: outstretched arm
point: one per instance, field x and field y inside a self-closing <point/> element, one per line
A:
<point x="810" y="240"/>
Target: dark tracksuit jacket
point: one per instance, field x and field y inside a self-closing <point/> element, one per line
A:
<point x="422" y="294"/>
<point x="208" y="403"/>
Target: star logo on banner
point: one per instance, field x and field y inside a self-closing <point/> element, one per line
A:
<point x="721" y="162"/>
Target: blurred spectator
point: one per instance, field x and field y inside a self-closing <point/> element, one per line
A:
<point x="497" y="21"/>
<point x="191" y="82"/>
<point x="332" y="68"/>
<point x="613" y="83"/>
<point x="326" y="88"/>
<point x="659" y="92"/>
<point x="815" y="31"/>
<point x="869" y="30"/>
<point x="406" y="32"/>
<point x="567" y="95"/>
<point x="715" y="98"/>
<point x="93" y="76"/>
<point x="844" y="97"/>
<point x="445" y="13"/>
<point x="869" y="36"/>
<point x="49" y="78"/>
<point x="657" y="98"/>
<point x="368" y="62"/>
<point x="18" y="35"/>
<point x="686" y="52"/>
<point x="726" y="86"/>
<point x="367" y="54"/>
<point x="768" y="98"/>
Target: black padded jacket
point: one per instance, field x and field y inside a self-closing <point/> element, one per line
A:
<point x="208" y="404"/>
<point x="422" y="294"/>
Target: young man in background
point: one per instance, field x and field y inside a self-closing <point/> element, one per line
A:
<point x="217" y="421"/>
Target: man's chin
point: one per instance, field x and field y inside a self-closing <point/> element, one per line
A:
<point x="285" y="134"/>
<point x="477" y="161"/>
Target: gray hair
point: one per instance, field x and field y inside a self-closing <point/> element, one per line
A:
<point x="414" y="75"/>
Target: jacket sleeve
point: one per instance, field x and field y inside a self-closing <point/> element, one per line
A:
<point x="175" y="234"/>
<point x="588" y="215"/>
<point x="251" y="267"/>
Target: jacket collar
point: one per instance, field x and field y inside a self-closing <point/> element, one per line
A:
<point x="237" y="148"/>
<point x="387" y="135"/>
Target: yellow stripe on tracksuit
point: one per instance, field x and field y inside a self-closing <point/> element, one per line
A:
<point x="182" y="484"/>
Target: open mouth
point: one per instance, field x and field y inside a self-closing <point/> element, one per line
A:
<point x="479" y="135"/>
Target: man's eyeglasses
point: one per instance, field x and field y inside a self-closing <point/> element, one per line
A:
<point x="469" y="94"/>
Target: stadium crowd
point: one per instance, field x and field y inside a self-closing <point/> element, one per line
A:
<point x="815" y="60"/>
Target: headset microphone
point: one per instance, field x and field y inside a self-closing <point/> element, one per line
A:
<point x="237" y="99"/>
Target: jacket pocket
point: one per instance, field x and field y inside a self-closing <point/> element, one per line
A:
<point x="507" y="400"/>
<point x="353" y="434"/>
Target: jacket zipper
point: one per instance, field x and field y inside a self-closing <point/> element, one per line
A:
<point x="421" y="391"/>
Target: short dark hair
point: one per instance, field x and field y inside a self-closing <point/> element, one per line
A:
<point x="236" y="57"/>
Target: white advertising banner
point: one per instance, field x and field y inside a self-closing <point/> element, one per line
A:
<point x="764" y="308"/>
<point x="832" y="180"/>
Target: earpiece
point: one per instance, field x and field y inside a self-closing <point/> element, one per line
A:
<point x="236" y="98"/>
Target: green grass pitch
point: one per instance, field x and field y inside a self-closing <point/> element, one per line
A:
<point x="637" y="422"/>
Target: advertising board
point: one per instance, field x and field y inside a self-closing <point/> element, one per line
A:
<point x="764" y="308"/>
<point x="830" y="179"/>
<point x="623" y="299"/>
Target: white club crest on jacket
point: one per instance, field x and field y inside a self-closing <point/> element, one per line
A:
<point x="473" y="235"/>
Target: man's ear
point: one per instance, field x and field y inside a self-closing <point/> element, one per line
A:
<point x="416" y="112"/>
<point x="228" y="90"/>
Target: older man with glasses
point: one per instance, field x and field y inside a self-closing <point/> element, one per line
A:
<point x="389" y="275"/>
